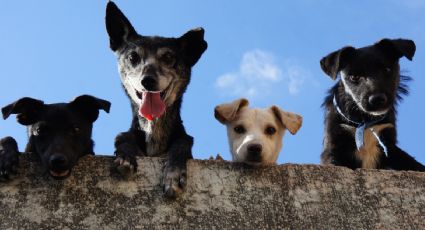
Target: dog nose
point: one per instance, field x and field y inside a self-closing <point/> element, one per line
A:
<point x="255" y="149"/>
<point x="149" y="83"/>
<point x="58" y="160"/>
<point x="254" y="153"/>
<point x="377" y="100"/>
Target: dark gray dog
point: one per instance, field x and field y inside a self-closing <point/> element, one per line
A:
<point x="9" y="157"/>
<point x="155" y="72"/>
<point x="59" y="134"/>
<point x="361" y="107"/>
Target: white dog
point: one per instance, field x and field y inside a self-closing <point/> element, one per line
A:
<point x="255" y="135"/>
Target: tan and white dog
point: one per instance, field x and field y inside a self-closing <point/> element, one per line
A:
<point x="255" y="135"/>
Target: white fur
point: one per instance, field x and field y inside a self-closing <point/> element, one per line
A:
<point x="357" y="100"/>
<point x="349" y="92"/>
<point x="132" y="77"/>
<point x="255" y="121"/>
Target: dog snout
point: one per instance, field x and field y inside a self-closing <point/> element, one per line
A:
<point x="254" y="152"/>
<point x="149" y="83"/>
<point x="255" y="149"/>
<point x="377" y="100"/>
<point x="58" y="161"/>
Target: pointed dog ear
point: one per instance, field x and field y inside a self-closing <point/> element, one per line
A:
<point x="89" y="106"/>
<point x="28" y="110"/>
<point x="336" y="61"/>
<point x="289" y="120"/>
<point x="398" y="47"/>
<point x="193" y="45"/>
<point x="225" y="113"/>
<point x="118" y="26"/>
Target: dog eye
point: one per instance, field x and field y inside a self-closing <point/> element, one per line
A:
<point x="39" y="131"/>
<point x="134" y="58"/>
<point x="354" y="79"/>
<point x="270" y="130"/>
<point x="239" y="129"/>
<point x="167" y="58"/>
<point x="75" y="129"/>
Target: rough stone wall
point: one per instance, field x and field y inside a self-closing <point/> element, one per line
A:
<point x="219" y="195"/>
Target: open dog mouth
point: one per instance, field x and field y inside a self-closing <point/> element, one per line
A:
<point x="61" y="174"/>
<point x="152" y="105"/>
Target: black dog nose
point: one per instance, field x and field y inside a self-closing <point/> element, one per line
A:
<point x="149" y="82"/>
<point x="377" y="100"/>
<point x="254" y="153"/>
<point x="58" y="160"/>
<point x="255" y="149"/>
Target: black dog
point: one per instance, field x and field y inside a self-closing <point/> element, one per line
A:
<point x="155" y="72"/>
<point x="9" y="157"/>
<point x="59" y="134"/>
<point x="361" y="107"/>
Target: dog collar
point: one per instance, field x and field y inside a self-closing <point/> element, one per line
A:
<point x="360" y="128"/>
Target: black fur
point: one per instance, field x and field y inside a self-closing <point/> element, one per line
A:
<point x="9" y="157"/>
<point x="59" y="134"/>
<point x="165" y="135"/>
<point x="378" y="68"/>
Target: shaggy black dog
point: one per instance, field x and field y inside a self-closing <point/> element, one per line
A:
<point x="361" y="108"/>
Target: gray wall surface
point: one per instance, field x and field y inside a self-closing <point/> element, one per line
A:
<point x="219" y="195"/>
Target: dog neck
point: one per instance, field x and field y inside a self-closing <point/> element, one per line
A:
<point x="361" y="126"/>
<point x="158" y="131"/>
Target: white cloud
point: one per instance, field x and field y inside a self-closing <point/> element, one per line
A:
<point x="258" y="74"/>
<point x="260" y="64"/>
<point x="295" y="75"/>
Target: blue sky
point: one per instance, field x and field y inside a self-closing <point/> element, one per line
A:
<point x="56" y="50"/>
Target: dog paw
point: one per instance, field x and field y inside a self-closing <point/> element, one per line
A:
<point x="125" y="165"/>
<point x="9" y="158"/>
<point x="174" y="181"/>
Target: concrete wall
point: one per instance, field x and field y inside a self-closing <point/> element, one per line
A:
<point x="219" y="195"/>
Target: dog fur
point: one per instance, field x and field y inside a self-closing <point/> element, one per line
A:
<point x="255" y="135"/>
<point x="59" y="134"/>
<point x="368" y="91"/>
<point x="149" y="67"/>
<point x="9" y="158"/>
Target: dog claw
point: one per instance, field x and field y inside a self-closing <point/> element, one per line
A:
<point x="124" y="167"/>
<point x="182" y="182"/>
<point x="124" y="170"/>
<point x="174" y="181"/>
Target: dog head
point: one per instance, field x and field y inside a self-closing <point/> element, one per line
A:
<point x="370" y="75"/>
<point x="58" y="133"/>
<point x="154" y="70"/>
<point x="255" y="135"/>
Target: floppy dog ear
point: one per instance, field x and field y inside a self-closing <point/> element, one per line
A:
<point x="225" y="113"/>
<point x="193" y="45"/>
<point x="118" y="26"/>
<point x="336" y="61"/>
<point x="398" y="47"/>
<point x="89" y="106"/>
<point x="289" y="120"/>
<point x="28" y="110"/>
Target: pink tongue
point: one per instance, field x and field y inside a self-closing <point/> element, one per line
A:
<point x="152" y="106"/>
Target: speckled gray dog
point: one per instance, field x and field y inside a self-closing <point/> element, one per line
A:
<point x="155" y="72"/>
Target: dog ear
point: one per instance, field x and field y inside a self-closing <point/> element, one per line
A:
<point x="336" y="61"/>
<point x="118" y="26"/>
<point x="398" y="47"/>
<point x="89" y="106"/>
<point x="289" y="120"/>
<point x="193" y="45"/>
<point x="225" y="113"/>
<point x="28" y="110"/>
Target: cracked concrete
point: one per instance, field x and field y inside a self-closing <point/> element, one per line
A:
<point x="219" y="195"/>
